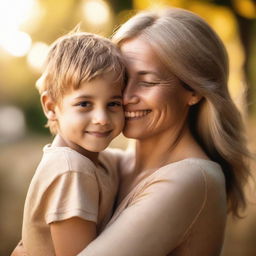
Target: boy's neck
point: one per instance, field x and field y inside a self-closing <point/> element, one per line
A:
<point x="59" y="141"/>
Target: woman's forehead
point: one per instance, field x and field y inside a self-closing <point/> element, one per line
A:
<point x="141" y="59"/>
<point x="140" y="55"/>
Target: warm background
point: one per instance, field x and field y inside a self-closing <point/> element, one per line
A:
<point x="27" y="27"/>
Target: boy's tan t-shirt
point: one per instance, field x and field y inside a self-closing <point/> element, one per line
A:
<point x="67" y="184"/>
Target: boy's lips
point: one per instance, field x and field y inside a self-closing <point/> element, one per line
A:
<point x="136" y="114"/>
<point x="99" y="134"/>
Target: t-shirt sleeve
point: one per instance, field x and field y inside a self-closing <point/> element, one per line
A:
<point x="156" y="220"/>
<point x="72" y="194"/>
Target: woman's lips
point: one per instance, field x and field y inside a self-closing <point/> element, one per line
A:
<point x="136" y="114"/>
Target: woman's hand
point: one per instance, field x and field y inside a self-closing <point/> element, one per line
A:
<point x="19" y="250"/>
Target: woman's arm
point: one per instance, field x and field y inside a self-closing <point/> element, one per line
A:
<point x="19" y="250"/>
<point x="72" y="235"/>
<point x="156" y="221"/>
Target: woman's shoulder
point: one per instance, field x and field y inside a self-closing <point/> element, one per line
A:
<point x="192" y="167"/>
<point x="192" y="173"/>
<point x="192" y="177"/>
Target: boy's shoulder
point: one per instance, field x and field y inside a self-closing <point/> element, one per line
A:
<point x="112" y="154"/>
<point x="59" y="160"/>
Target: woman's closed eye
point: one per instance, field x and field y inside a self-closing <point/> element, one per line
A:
<point x="147" y="83"/>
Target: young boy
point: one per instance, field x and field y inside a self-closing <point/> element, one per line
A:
<point x="72" y="192"/>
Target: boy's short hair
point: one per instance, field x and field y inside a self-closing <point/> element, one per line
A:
<point x="77" y="58"/>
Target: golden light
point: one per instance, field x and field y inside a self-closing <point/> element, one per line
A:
<point x="16" y="43"/>
<point x="96" y="12"/>
<point x="37" y="56"/>
<point x="153" y="4"/>
<point x="14" y="13"/>
<point x="246" y="8"/>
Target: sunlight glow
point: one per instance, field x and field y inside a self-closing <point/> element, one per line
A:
<point x="13" y="14"/>
<point x="246" y="8"/>
<point x="37" y="55"/>
<point x="16" y="43"/>
<point x="97" y="12"/>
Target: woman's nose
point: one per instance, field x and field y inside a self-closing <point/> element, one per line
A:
<point x="130" y="96"/>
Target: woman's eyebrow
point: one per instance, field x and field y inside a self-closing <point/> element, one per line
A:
<point x="146" y="72"/>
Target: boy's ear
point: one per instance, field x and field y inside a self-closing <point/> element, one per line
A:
<point x="48" y="106"/>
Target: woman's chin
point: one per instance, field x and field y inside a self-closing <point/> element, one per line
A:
<point x="133" y="133"/>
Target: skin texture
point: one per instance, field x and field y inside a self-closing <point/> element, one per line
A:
<point x="164" y="129"/>
<point x="151" y="88"/>
<point x="88" y="120"/>
<point x="81" y="231"/>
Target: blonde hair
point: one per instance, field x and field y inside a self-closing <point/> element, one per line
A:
<point x="193" y="52"/>
<point x="76" y="58"/>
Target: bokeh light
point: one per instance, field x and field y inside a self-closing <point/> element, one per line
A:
<point x="14" y="14"/>
<point x="96" y="12"/>
<point x="37" y="56"/>
<point x="12" y="123"/>
<point x="246" y="8"/>
<point x="16" y="43"/>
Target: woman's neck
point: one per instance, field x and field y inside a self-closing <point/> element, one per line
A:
<point x="155" y="152"/>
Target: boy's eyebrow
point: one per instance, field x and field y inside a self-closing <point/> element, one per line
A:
<point x="91" y="97"/>
<point x="117" y="97"/>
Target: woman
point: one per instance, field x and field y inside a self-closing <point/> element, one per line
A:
<point x="190" y="163"/>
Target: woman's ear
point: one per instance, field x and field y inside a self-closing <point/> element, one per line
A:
<point x="194" y="98"/>
<point x="48" y="106"/>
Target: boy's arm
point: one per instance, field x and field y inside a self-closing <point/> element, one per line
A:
<point x="69" y="237"/>
<point x="72" y="235"/>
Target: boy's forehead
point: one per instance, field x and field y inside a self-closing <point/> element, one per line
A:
<point x="106" y="86"/>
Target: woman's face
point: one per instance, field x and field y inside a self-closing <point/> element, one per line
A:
<point x="155" y="101"/>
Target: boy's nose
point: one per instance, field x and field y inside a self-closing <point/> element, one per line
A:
<point x="100" y="117"/>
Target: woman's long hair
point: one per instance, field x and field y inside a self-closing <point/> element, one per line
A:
<point x="193" y="52"/>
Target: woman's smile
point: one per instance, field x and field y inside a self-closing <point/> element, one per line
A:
<point x="134" y="115"/>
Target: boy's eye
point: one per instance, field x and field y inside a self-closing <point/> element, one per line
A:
<point x="85" y="104"/>
<point x="115" y="104"/>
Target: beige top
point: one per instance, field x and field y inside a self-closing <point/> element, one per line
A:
<point x="179" y="210"/>
<point x="67" y="184"/>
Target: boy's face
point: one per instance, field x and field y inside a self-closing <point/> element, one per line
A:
<point x="91" y="116"/>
